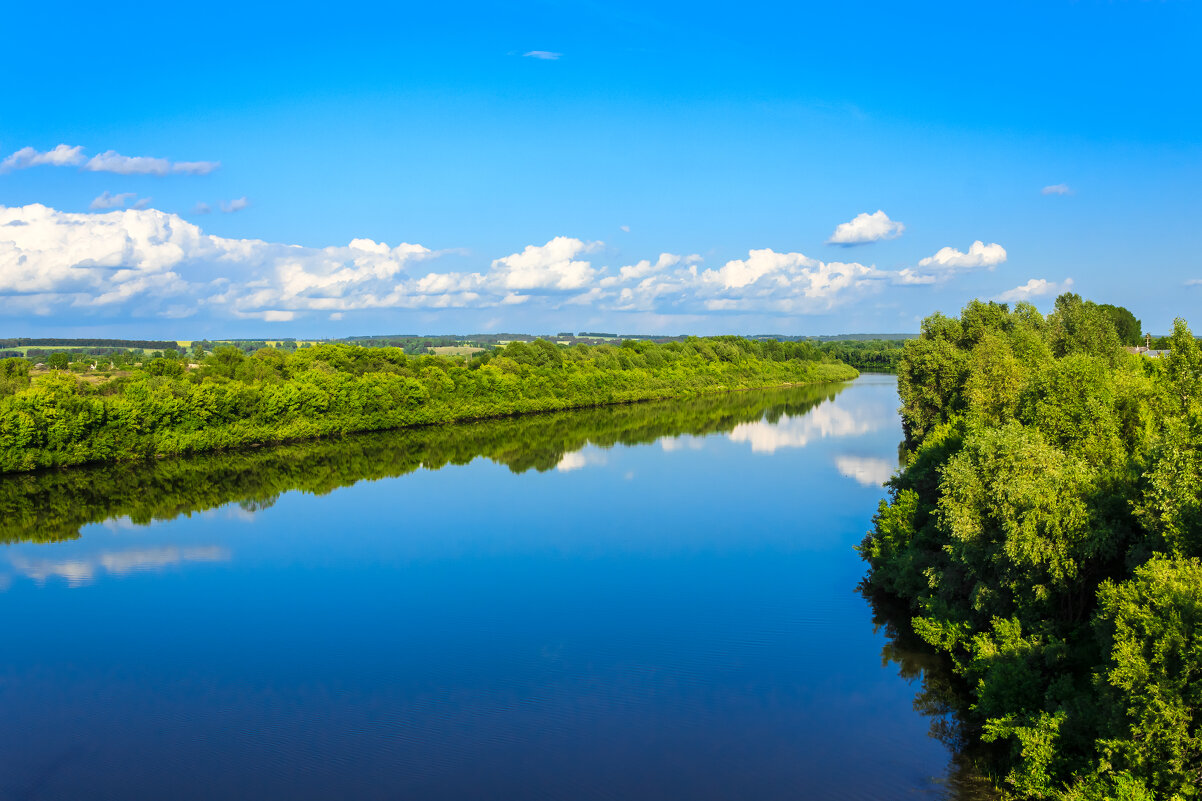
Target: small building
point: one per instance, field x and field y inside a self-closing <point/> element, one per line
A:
<point x="1147" y="352"/>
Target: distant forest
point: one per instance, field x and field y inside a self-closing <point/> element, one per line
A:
<point x="127" y="344"/>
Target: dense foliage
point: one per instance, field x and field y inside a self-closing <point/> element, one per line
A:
<point x="877" y="355"/>
<point x="53" y="505"/>
<point x="164" y="407"/>
<point x="1045" y="535"/>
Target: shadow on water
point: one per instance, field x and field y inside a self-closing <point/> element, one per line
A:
<point x="53" y="506"/>
<point x="942" y="698"/>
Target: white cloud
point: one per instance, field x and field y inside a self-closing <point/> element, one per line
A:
<point x="866" y="471"/>
<point x="60" y="156"/>
<point x="642" y="269"/>
<point x="552" y="266"/>
<point x="784" y="283"/>
<point x="866" y="228"/>
<point x="624" y="228"/>
<point x="237" y="204"/>
<point x="202" y="208"/>
<point x="143" y="261"/>
<point x="108" y="161"/>
<point x="543" y="55"/>
<point x="1056" y="189"/>
<point x="91" y="260"/>
<point x="979" y="255"/>
<point x="911" y="276"/>
<point x="1035" y="288"/>
<point x="109" y="201"/>
<point x="112" y="161"/>
<point x="195" y="167"/>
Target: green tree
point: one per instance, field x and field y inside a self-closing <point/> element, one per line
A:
<point x="1151" y="629"/>
<point x="1128" y="328"/>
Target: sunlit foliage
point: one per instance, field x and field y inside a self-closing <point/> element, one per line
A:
<point x="1044" y="535"/>
<point x="161" y="407"/>
<point x="53" y="504"/>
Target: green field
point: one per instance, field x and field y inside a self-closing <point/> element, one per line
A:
<point x="456" y="350"/>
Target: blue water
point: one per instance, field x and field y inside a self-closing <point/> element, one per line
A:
<point x="669" y="620"/>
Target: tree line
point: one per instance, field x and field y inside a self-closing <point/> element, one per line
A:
<point x="163" y="407"/>
<point x="877" y="355"/>
<point x="140" y="344"/>
<point x="1045" y="537"/>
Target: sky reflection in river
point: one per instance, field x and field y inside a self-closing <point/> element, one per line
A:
<point x="635" y="603"/>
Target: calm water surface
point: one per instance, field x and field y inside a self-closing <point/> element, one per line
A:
<point x="649" y="602"/>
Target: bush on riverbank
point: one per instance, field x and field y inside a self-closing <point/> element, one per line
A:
<point x="233" y="400"/>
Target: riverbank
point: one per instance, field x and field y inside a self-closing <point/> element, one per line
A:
<point x="52" y="505"/>
<point x="272" y="397"/>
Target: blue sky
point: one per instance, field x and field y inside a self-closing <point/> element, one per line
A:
<point x="646" y="167"/>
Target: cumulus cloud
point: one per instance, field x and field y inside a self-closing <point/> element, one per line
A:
<point x="237" y="204"/>
<point x="553" y="269"/>
<point x="202" y="208"/>
<point x="543" y="55"/>
<point x="60" y="156"/>
<point x="553" y="266"/>
<point x="866" y="228"/>
<point x="979" y="255"/>
<point x="142" y="261"/>
<point x="1056" y="189"/>
<point x="1035" y="288"/>
<point x="98" y="260"/>
<point x="108" y="161"/>
<point x="784" y="282"/>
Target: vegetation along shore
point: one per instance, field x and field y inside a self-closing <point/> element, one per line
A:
<point x="52" y="505"/>
<point x="1045" y="536"/>
<point x="226" y="399"/>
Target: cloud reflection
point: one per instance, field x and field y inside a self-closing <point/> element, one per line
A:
<point x="796" y="432"/>
<point x="866" y="471"/>
<point x="84" y="570"/>
<point x="575" y="460"/>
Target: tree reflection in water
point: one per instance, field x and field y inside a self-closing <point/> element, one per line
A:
<point x="942" y="698"/>
<point x="53" y="505"/>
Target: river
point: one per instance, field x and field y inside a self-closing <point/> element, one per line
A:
<point x="656" y="601"/>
